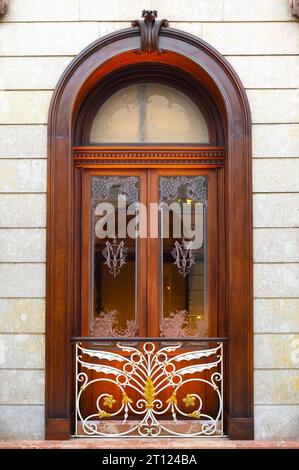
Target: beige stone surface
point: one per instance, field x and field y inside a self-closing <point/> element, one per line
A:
<point x="276" y="245"/>
<point x="24" y="107"/>
<point x="275" y="422"/>
<point x="275" y="140"/>
<point x="16" y="72"/>
<point x="22" y="280"/>
<point x="267" y="71"/>
<point x="252" y="38"/>
<point x="110" y="27"/>
<point x="186" y="10"/>
<point x="276" y="315"/>
<point x="114" y="10"/>
<point x="256" y="10"/>
<point x="22" y="351"/>
<point x="182" y="10"/>
<point x="18" y="176"/>
<point x="192" y="28"/>
<point x="22" y="315"/>
<point x="276" y="351"/>
<point x="276" y="175"/>
<point x="275" y="387"/>
<point x="22" y="210"/>
<point x="22" y="387"/>
<point x="23" y="141"/>
<point x="22" y="245"/>
<point x="20" y="421"/>
<point x="276" y="280"/>
<point x="42" y="10"/>
<point x="42" y="39"/>
<point x="276" y="210"/>
<point x="274" y="106"/>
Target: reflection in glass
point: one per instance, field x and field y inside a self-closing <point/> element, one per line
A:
<point x="115" y="265"/>
<point x="149" y="112"/>
<point x="183" y="255"/>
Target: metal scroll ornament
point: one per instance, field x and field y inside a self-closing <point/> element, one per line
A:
<point x="184" y="258"/>
<point x="159" y="388"/>
<point x="115" y="254"/>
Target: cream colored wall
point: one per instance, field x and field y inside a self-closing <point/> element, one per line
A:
<point x="38" y="39"/>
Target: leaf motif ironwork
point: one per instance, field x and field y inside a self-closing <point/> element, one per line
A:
<point x="151" y="389"/>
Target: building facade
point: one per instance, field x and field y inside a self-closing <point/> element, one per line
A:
<point x="260" y="40"/>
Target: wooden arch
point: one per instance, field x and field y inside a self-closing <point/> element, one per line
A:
<point x="192" y="57"/>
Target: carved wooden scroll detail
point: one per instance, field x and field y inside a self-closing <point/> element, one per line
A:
<point x="3" y="6"/>
<point x="149" y="31"/>
<point x="295" y="7"/>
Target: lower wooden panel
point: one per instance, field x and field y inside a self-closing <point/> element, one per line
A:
<point x="58" y="429"/>
<point x="240" y="428"/>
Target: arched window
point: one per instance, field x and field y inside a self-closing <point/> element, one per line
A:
<point x="149" y="113"/>
<point x="149" y="242"/>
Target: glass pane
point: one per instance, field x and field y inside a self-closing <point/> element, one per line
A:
<point x="149" y="112"/>
<point x="183" y="255"/>
<point x="115" y="256"/>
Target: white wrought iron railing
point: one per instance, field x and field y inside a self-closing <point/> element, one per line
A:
<point x="149" y="387"/>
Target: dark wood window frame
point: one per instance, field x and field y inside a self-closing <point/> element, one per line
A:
<point x="188" y="61"/>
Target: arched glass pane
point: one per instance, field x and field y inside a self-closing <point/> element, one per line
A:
<point x="149" y="112"/>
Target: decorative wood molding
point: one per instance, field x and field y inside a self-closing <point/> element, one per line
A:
<point x="149" y="31"/>
<point x="3" y="6"/>
<point x="144" y="155"/>
<point x="295" y="7"/>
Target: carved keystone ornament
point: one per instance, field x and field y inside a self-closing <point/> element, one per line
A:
<point x="295" y="7"/>
<point x="3" y="6"/>
<point x="149" y="31"/>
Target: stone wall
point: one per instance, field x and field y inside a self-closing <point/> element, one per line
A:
<point x="38" y="39"/>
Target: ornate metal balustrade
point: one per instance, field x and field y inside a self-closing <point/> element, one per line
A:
<point x="149" y="387"/>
